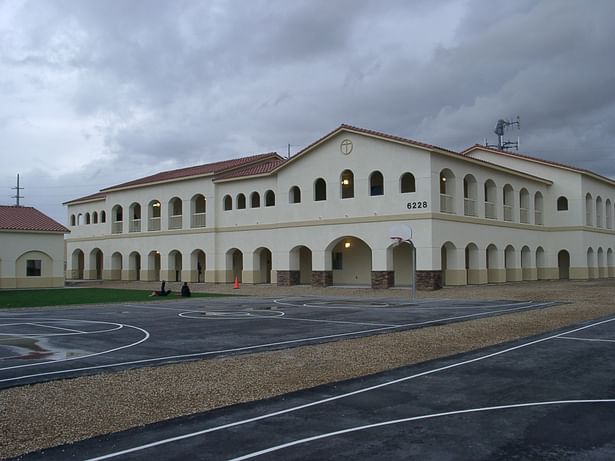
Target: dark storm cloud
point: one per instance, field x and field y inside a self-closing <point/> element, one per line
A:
<point x="162" y="84"/>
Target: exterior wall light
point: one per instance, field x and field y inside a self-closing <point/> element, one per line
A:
<point x="347" y="245"/>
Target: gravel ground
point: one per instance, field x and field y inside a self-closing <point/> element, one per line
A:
<point x="63" y="411"/>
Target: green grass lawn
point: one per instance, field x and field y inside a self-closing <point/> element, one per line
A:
<point x="66" y="296"/>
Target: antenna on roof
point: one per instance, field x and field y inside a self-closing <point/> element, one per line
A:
<point x="500" y="127"/>
<point x="17" y="196"/>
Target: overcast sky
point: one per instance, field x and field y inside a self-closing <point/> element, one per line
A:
<point x="97" y="92"/>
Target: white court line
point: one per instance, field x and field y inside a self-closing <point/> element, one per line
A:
<point x="120" y="325"/>
<point x="341" y="396"/>
<point x="242" y="348"/>
<point x="411" y="419"/>
<point x="337" y="321"/>
<point x="58" y="328"/>
<point x="54" y="335"/>
<point x="589" y="339"/>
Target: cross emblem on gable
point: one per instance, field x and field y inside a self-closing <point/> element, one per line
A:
<point x="346" y="146"/>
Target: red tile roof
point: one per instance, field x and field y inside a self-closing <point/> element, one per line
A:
<point x="23" y="218"/>
<point x="87" y="198"/>
<point x="251" y="170"/>
<point x="199" y="170"/>
<point x="536" y="160"/>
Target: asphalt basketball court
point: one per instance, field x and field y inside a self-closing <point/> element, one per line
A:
<point x="549" y="397"/>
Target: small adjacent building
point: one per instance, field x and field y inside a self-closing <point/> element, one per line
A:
<point x="31" y="249"/>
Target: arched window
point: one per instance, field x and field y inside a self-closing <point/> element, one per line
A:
<point x="198" y="209"/>
<point x="134" y="223"/>
<point x="538" y="209"/>
<point x="175" y="213"/>
<point x="87" y="218"/>
<point x="320" y="190"/>
<point x="103" y="216"/>
<point x="524" y="206"/>
<point x="407" y="183"/>
<point x="470" y="195"/>
<point x="562" y="204"/>
<point x="73" y="220"/>
<point x="153" y="218"/>
<point x="294" y="196"/>
<point x="376" y="183"/>
<point x="589" y="205"/>
<point x="347" y="184"/>
<point x="447" y="191"/>
<point x="509" y="202"/>
<point x="598" y="211"/>
<point x="95" y="217"/>
<point x="227" y="202"/>
<point x="609" y="214"/>
<point x="491" y="209"/>
<point x="241" y="202"/>
<point x="269" y="198"/>
<point x="118" y="218"/>
<point x="255" y="200"/>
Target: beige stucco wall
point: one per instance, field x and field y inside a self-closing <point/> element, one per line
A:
<point x="17" y="247"/>
<point x="319" y="226"/>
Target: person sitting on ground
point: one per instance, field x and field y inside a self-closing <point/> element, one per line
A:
<point x="162" y="292"/>
<point x="185" y="290"/>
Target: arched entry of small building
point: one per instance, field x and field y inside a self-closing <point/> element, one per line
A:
<point x="563" y="265"/>
<point x="153" y="264"/>
<point x="300" y="266"/>
<point x="77" y="265"/>
<point x="197" y="266"/>
<point x="351" y="261"/>
<point x="472" y="264"/>
<point x="134" y="266"/>
<point x="234" y="265"/>
<point x="175" y="266"/>
<point x="448" y="258"/>
<point x="116" y="266"/>
<point x="262" y="265"/>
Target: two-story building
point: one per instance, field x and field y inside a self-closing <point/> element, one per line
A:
<point x="324" y="217"/>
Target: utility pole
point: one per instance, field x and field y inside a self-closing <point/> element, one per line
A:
<point x="18" y="189"/>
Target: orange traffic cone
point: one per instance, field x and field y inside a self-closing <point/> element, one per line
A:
<point x="236" y="284"/>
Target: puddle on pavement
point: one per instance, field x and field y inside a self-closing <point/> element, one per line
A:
<point x="20" y="348"/>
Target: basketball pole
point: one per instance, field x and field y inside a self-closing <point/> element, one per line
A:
<point x="413" y="272"/>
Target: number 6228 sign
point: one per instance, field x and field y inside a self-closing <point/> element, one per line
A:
<point x="416" y="205"/>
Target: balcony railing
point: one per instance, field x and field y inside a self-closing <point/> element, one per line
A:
<point x="134" y="225"/>
<point x="198" y="219"/>
<point x="469" y="207"/>
<point x="117" y="227"/>
<point x="447" y="203"/>
<point x="154" y="224"/>
<point x="524" y="215"/>
<point x="508" y="213"/>
<point x="491" y="210"/>
<point x="175" y="222"/>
